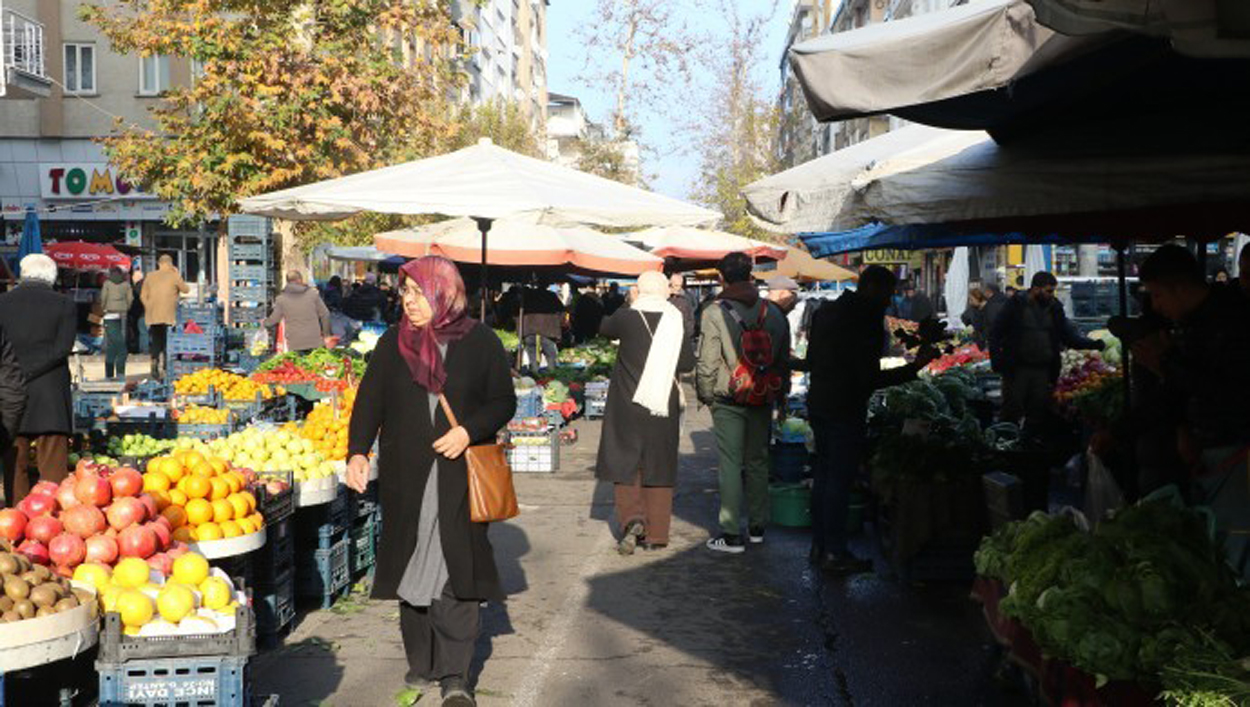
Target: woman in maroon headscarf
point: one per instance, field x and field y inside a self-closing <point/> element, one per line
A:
<point x="432" y="557"/>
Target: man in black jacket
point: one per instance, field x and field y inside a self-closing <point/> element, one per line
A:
<point x="1026" y="340"/>
<point x="12" y="398"/>
<point x="39" y="323"/>
<point x="847" y="340"/>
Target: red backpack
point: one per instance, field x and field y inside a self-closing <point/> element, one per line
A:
<point x="755" y="381"/>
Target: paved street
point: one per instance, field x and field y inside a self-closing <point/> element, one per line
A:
<point x="584" y="626"/>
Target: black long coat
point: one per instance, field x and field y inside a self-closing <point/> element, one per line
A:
<point x="632" y="437"/>
<point x="40" y="324"/>
<point x="479" y="389"/>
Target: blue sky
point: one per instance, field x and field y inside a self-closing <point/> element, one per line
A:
<point x="673" y="169"/>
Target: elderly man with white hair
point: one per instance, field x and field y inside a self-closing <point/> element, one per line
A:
<point x="40" y="325"/>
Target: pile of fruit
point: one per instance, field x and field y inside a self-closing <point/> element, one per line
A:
<point x="101" y="459"/>
<point x="204" y="499"/>
<point x="29" y="590"/>
<point x="231" y="386"/>
<point x="200" y="415"/>
<point x="272" y="450"/>
<point x="967" y="355"/>
<point x="137" y="445"/>
<point x="326" y="425"/>
<point x="194" y="600"/>
<point x="287" y="372"/>
<point x="97" y="514"/>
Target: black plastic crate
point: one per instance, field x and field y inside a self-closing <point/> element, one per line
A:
<point x="326" y="519"/>
<point x="278" y="554"/>
<point x="324" y="573"/>
<point x="116" y="648"/>
<point x="152" y="426"/>
<point x="201" y="681"/>
<point x="275" y="603"/>
<point x="363" y="505"/>
<point x="275" y="507"/>
<point x="363" y="547"/>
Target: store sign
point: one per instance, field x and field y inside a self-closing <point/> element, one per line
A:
<point x="891" y="257"/>
<point x="88" y="180"/>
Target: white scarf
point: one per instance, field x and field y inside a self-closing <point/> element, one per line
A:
<point x="658" y="374"/>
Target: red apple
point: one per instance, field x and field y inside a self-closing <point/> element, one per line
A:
<point x="101" y="549"/>
<point x="48" y="487"/>
<point x="162" y="563"/>
<point x="67" y="550"/>
<point x="65" y="493"/>
<point x="43" y="528"/>
<point x="37" y="504"/>
<point x="126" y="482"/>
<point x="84" y="521"/>
<point x="149" y="504"/>
<point x="125" y="512"/>
<point x="34" y="551"/>
<point x="93" y="490"/>
<point x="137" y="541"/>
<point x="12" y="524"/>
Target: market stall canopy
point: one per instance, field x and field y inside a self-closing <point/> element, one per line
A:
<point x="362" y="254"/>
<point x="80" y="255"/>
<point x="694" y="246"/>
<point x="801" y="266"/>
<point x="522" y="241"/>
<point x="1199" y="28"/>
<point x="481" y="181"/>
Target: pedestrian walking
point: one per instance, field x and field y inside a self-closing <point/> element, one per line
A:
<point x="642" y="421"/>
<point x="844" y="350"/>
<point x="40" y="325"/>
<point x="116" y="296"/>
<point x="742" y="373"/>
<point x="136" y="326"/>
<point x="432" y="557"/>
<point x="306" y="317"/>
<point x="680" y="298"/>
<point x="159" y="295"/>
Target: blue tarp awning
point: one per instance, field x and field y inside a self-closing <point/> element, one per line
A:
<point x="879" y="236"/>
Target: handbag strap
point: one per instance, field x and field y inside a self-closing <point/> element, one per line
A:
<point x="451" y="416"/>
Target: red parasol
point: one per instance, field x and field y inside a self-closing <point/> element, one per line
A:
<point x="80" y="255"/>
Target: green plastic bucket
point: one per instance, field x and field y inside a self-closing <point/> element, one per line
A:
<point x="791" y="505"/>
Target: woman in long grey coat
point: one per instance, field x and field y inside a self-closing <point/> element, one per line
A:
<point x="642" y="422"/>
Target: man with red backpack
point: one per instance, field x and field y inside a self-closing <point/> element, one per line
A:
<point x="743" y="373"/>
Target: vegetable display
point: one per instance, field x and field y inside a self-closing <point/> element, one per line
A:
<point x="1089" y="386"/>
<point x="967" y="355"/>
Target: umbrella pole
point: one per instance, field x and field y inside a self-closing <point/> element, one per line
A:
<point x="483" y="225"/>
<point x="1121" y="272"/>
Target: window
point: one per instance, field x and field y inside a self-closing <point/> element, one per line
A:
<point x="153" y="75"/>
<point x="79" y="68"/>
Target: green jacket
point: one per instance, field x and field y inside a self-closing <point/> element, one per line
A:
<point x="116" y="297"/>
<point x="720" y="339"/>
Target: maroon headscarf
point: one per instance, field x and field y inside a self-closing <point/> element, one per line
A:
<point x="440" y="281"/>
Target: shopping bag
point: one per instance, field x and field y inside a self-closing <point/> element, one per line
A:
<point x="1102" y="493"/>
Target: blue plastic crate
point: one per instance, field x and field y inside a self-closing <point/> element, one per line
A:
<point x="529" y="404"/>
<point x="249" y="251"/>
<point x="248" y="226"/>
<point x="211" y="344"/>
<point x="324" y="573"/>
<point x="204" y="432"/>
<point x="182" y="682"/>
<point x="256" y="273"/>
<point x="275" y="603"/>
<point x="152" y="391"/>
<point x="247" y="316"/>
<point x="93" y="405"/>
<point x="208" y="314"/>
<point x="249" y="294"/>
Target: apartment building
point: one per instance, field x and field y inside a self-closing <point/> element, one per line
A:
<point x="509" y="63"/>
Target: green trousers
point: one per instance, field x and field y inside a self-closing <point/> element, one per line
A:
<point x="115" y="348"/>
<point x="742" y="448"/>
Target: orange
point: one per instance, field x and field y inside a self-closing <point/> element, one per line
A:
<point x="162" y="499"/>
<point x="135" y="607"/>
<point x="191" y="569"/>
<point x="156" y="481"/>
<point x="198" y="487"/>
<point x="231" y="529"/>
<point x="178" y="497"/>
<point x="184" y="534"/>
<point x="219" y="465"/>
<point x="202" y="468"/>
<point x="239" y="504"/>
<point x="199" y="511"/>
<point x="172" y="468"/>
<point x="251" y="500"/>
<point x="222" y="511"/>
<point x="245" y="524"/>
<point x="235" y="480"/>
<point x="193" y="458"/>
<point x="258" y="520"/>
<point x="221" y="489"/>
<point x="208" y="531"/>
<point x="176" y="515"/>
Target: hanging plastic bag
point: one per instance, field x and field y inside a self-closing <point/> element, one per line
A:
<point x="1102" y="493"/>
<point x="260" y="342"/>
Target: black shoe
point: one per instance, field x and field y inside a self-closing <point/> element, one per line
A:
<point x="815" y="555"/>
<point x="755" y="534"/>
<point x="634" y="531"/>
<point x="844" y="564"/>
<point x="727" y="543"/>
<point x="456" y="693"/>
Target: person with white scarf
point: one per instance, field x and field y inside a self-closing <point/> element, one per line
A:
<point x="642" y="421"/>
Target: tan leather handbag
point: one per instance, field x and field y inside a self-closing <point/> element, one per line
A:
<point x="491" y="495"/>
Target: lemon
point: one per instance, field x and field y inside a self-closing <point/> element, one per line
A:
<point x="135" y="607"/>
<point x="131" y="573"/>
<point x="174" y="602"/>
<point x="92" y="573"/>
<point x="216" y="593"/>
<point x="190" y="569"/>
<point x="108" y="597"/>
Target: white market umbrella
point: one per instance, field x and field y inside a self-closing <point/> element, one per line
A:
<point x="956" y="288"/>
<point x="702" y="245"/>
<point x="1034" y="262"/>
<point x="1241" y="241"/>
<point x="521" y="241"/>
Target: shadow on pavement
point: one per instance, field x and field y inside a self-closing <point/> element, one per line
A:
<point x="312" y="659"/>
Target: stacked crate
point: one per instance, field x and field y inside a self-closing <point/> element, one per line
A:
<point x="364" y="531"/>
<point x="252" y="271"/>
<point x="323" y="549"/>
<point x="534" y="451"/>
<point x="196" y="341"/>
<point x="274" y="566"/>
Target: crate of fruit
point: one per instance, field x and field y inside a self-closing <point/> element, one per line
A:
<point x="179" y="367"/>
<point x="118" y="648"/>
<point x="206" y="680"/>
<point x="278" y="554"/>
<point x="534" y="452"/>
<point x="204" y="431"/>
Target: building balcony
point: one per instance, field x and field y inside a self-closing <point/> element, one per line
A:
<point x="22" y="57"/>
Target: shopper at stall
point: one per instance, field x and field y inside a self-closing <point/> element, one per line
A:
<point x="307" y="321"/>
<point x="333" y="294"/>
<point x="541" y="323"/>
<point x="641" y="425"/>
<point x="39" y="324"/>
<point x="742" y="373"/>
<point x="1025" y="345"/>
<point x="116" y="296"/>
<point x="845" y="345"/>
<point x="1202" y="362"/>
<point x="587" y="314"/>
<point x="974" y="316"/>
<point x="160" y="295"/>
<point x="367" y="303"/>
<point x="995" y="300"/>
<point x="136" y="326"/>
<point x="613" y="299"/>
<point x="432" y="557"/>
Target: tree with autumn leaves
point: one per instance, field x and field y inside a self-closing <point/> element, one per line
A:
<point x="284" y="93"/>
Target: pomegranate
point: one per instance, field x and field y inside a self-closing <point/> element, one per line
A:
<point x="67" y="550"/>
<point x="86" y="467"/>
<point x="66" y="572"/>
<point x="149" y="504"/>
<point x="93" y="490"/>
<point x="162" y="563"/>
<point x="177" y="549"/>
<point x="137" y="541"/>
<point x="43" y="529"/>
<point x="163" y="536"/>
<point x="162" y="520"/>
<point x="84" y="521"/>
<point x="34" y="551"/>
<point x="37" y="504"/>
<point x="126" y="482"/>
<point x="110" y="533"/>
<point x="125" y="512"/>
<point x="65" y="494"/>
<point x="12" y="524"/>
<point x="48" y="487"/>
<point x="101" y="549"/>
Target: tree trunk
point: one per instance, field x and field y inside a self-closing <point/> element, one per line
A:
<point x="623" y="88"/>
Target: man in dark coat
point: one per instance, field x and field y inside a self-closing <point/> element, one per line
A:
<point x="1026" y="340"/>
<point x="12" y="400"/>
<point x="40" y="325"/>
<point x="587" y="315"/>
<point x="995" y="300"/>
<point x="613" y="299"/>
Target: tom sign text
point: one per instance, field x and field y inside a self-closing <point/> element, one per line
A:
<point x="86" y="180"/>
